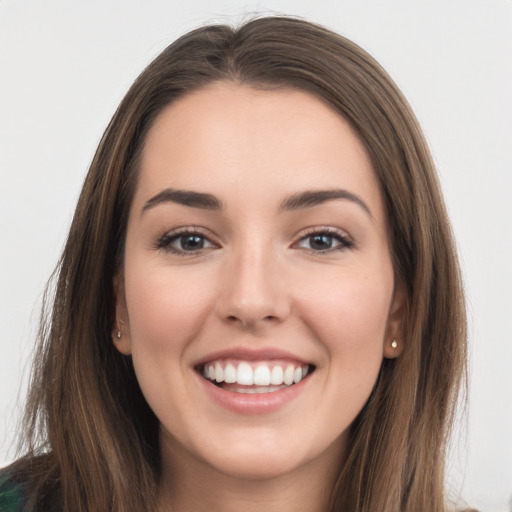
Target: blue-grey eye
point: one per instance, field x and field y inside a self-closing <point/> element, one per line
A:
<point x="323" y="242"/>
<point x="189" y="242"/>
<point x="184" y="242"/>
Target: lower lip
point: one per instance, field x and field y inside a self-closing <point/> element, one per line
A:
<point x="257" y="403"/>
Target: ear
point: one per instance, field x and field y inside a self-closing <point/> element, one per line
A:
<point x="121" y="328"/>
<point x="393" y="340"/>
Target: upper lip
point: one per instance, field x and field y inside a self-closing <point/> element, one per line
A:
<point x="248" y="354"/>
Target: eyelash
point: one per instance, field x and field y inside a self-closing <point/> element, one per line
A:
<point x="344" y="241"/>
<point x="165" y="241"/>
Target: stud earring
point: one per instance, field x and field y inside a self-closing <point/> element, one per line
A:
<point x="394" y="344"/>
<point x="118" y="335"/>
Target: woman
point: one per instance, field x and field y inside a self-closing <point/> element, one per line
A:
<point x="259" y="302"/>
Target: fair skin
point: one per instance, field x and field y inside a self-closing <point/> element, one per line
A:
<point x="264" y="272"/>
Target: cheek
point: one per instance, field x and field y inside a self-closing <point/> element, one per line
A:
<point x="349" y="313"/>
<point x="166" y="308"/>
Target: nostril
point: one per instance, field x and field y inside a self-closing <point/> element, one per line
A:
<point x="234" y="318"/>
<point x="251" y="317"/>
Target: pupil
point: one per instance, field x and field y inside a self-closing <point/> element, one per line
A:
<point x="321" y="242"/>
<point x="191" y="242"/>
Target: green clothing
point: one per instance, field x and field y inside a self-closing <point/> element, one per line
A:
<point x="11" y="496"/>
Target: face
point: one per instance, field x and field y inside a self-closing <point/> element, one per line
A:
<point x="257" y="293"/>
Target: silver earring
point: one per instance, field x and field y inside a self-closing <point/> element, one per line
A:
<point x="118" y="335"/>
<point x="394" y="344"/>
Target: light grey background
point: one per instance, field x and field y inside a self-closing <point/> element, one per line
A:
<point x="65" y="65"/>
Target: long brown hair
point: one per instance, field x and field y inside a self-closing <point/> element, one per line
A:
<point x="92" y="442"/>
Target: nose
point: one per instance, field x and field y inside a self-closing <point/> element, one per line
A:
<point x="253" y="293"/>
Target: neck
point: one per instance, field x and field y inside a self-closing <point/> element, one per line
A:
<point x="190" y="485"/>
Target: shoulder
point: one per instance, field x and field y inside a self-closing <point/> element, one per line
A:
<point x="30" y="484"/>
<point x="11" y="494"/>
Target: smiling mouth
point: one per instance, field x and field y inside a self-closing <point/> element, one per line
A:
<point x="254" y="378"/>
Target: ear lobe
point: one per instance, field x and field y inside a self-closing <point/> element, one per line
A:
<point x="121" y="331"/>
<point x="393" y="341"/>
<point x="122" y="342"/>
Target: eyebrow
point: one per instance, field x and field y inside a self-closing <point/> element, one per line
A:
<point x="186" y="198"/>
<point x="306" y="199"/>
<point x="311" y="198"/>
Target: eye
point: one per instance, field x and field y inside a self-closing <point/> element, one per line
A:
<point x="185" y="242"/>
<point x="324" y="241"/>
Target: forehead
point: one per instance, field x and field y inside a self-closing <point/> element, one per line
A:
<point x="227" y="139"/>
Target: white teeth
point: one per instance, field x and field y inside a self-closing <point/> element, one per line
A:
<point x="219" y="373"/>
<point x="289" y="374"/>
<point x="262" y="376"/>
<point x="277" y="376"/>
<point x="244" y="374"/>
<point x="229" y="374"/>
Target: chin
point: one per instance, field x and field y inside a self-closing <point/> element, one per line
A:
<point x="257" y="466"/>
<point x="265" y="458"/>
